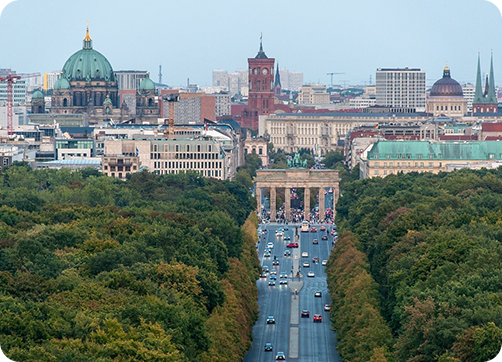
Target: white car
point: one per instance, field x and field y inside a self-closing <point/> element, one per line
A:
<point x="324" y="262"/>
<point x="270" y="245"/>
<point x="305" y="254"/>
<point x="306" y="264"/>
<point x="311" y="274"/>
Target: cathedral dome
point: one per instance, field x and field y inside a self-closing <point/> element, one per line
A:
<point x="446" y="86"/>
<point x="88" y="64"/>
<point x="147" y="84"/>
<point x="62" y="83"/>
<point x="37" y="95"/>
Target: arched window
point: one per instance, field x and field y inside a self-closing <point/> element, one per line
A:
<point x="65" y="102"/>
<point x="150" y="102"/>
<point x="188" y="148"/>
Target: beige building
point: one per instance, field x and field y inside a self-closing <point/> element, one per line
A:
<point x="293" y="131"/>
<point x="385" y="158"/>
<point x="258" y="146"/>
<point x="165" y="156"/>
<point x="446" y="98"/>
<point x="313" y="94"/>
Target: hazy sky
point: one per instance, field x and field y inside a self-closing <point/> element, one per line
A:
<point x="190" y="38"/>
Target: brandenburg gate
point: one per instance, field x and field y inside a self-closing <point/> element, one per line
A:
<point x="296" y="178"/>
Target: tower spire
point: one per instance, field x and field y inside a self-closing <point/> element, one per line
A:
<point x="261" y="54"/>
<point x="87" y="39"/>
<point x="492" y="96"/>
<point x="478" y="95"/>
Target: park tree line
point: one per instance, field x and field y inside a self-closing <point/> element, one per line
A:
<point x="156" y="268"/>
<point x="420" y="258"/>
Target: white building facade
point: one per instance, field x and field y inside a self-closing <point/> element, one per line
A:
<point x="401" y="88"/>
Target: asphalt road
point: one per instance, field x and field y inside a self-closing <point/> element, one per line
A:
<point x="299" y="338"/>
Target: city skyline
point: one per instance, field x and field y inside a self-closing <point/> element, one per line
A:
<point x="353" y="38"/>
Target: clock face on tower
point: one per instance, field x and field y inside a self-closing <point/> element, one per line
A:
<point x="264" y="71"/>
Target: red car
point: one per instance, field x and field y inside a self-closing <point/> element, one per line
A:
<point x="317" y="318"/>
<point x="315" y="260"/>
<point x="313" y="230"/>
<point x="315" y="241"/>
<point x="323" y="228"/>
<point x="292" y="245"/>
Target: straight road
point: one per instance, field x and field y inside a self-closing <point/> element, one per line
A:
<point x="316" y="341"/>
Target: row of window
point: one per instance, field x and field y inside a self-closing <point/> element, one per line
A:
<point x="404" y="164"/>
<point x="452" y="108"/>
<point x="187" y="165"/>
<point x="206" y="173"/>
<point x="184" y="156"/>
<point x="177" y="148"/>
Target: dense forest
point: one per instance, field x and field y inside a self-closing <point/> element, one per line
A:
<point x="157" y="268"/>
<point x="417" y="273"/>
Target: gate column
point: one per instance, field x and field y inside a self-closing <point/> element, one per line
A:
<point x="321" y="203"/>
<point x="306" y="204"/>
<point x="257" y="193"/>
<point x="273" y="200"/>
<point x="287" y="201"/>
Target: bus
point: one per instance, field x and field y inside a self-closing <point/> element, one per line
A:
<point x="305" y="226"/>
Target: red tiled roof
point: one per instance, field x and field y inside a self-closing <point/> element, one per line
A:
<point x="492" y="127"/>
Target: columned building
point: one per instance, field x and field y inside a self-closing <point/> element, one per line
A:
<point x="446" y="98"/>
<point x="273" y="181"/>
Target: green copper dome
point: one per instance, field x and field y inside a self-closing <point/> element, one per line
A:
<point x="88" y="64"/>
<point x="147" y="84"/>
<point x="37" y="95"/>
<point x="62" y="83"/>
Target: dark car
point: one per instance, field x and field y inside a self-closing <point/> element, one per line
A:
<point x="324" y="237"/>
<point x="315" y="241"/>
<point x="275" y="262"/>
<point x="317" y="318"/>
<point x="322" y="228"/>
<point x="305" y="313"/>
<point x="270" y="319"/>
<point x="287" y="252"/>
<point x="313" y="230"/>
<point x="268" y="347"/>
<point x="315" y="260"/>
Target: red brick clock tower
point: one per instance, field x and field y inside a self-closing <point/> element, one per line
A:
<point x="261" y="89"/>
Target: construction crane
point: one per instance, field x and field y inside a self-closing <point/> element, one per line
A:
<point x="332" y="77"/>
<point x="11" y="78"/>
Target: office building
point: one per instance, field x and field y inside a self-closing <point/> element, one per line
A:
<point x="313" y="94"/>
<point x="401" y="87"/>
<point x="130" y="79"/>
